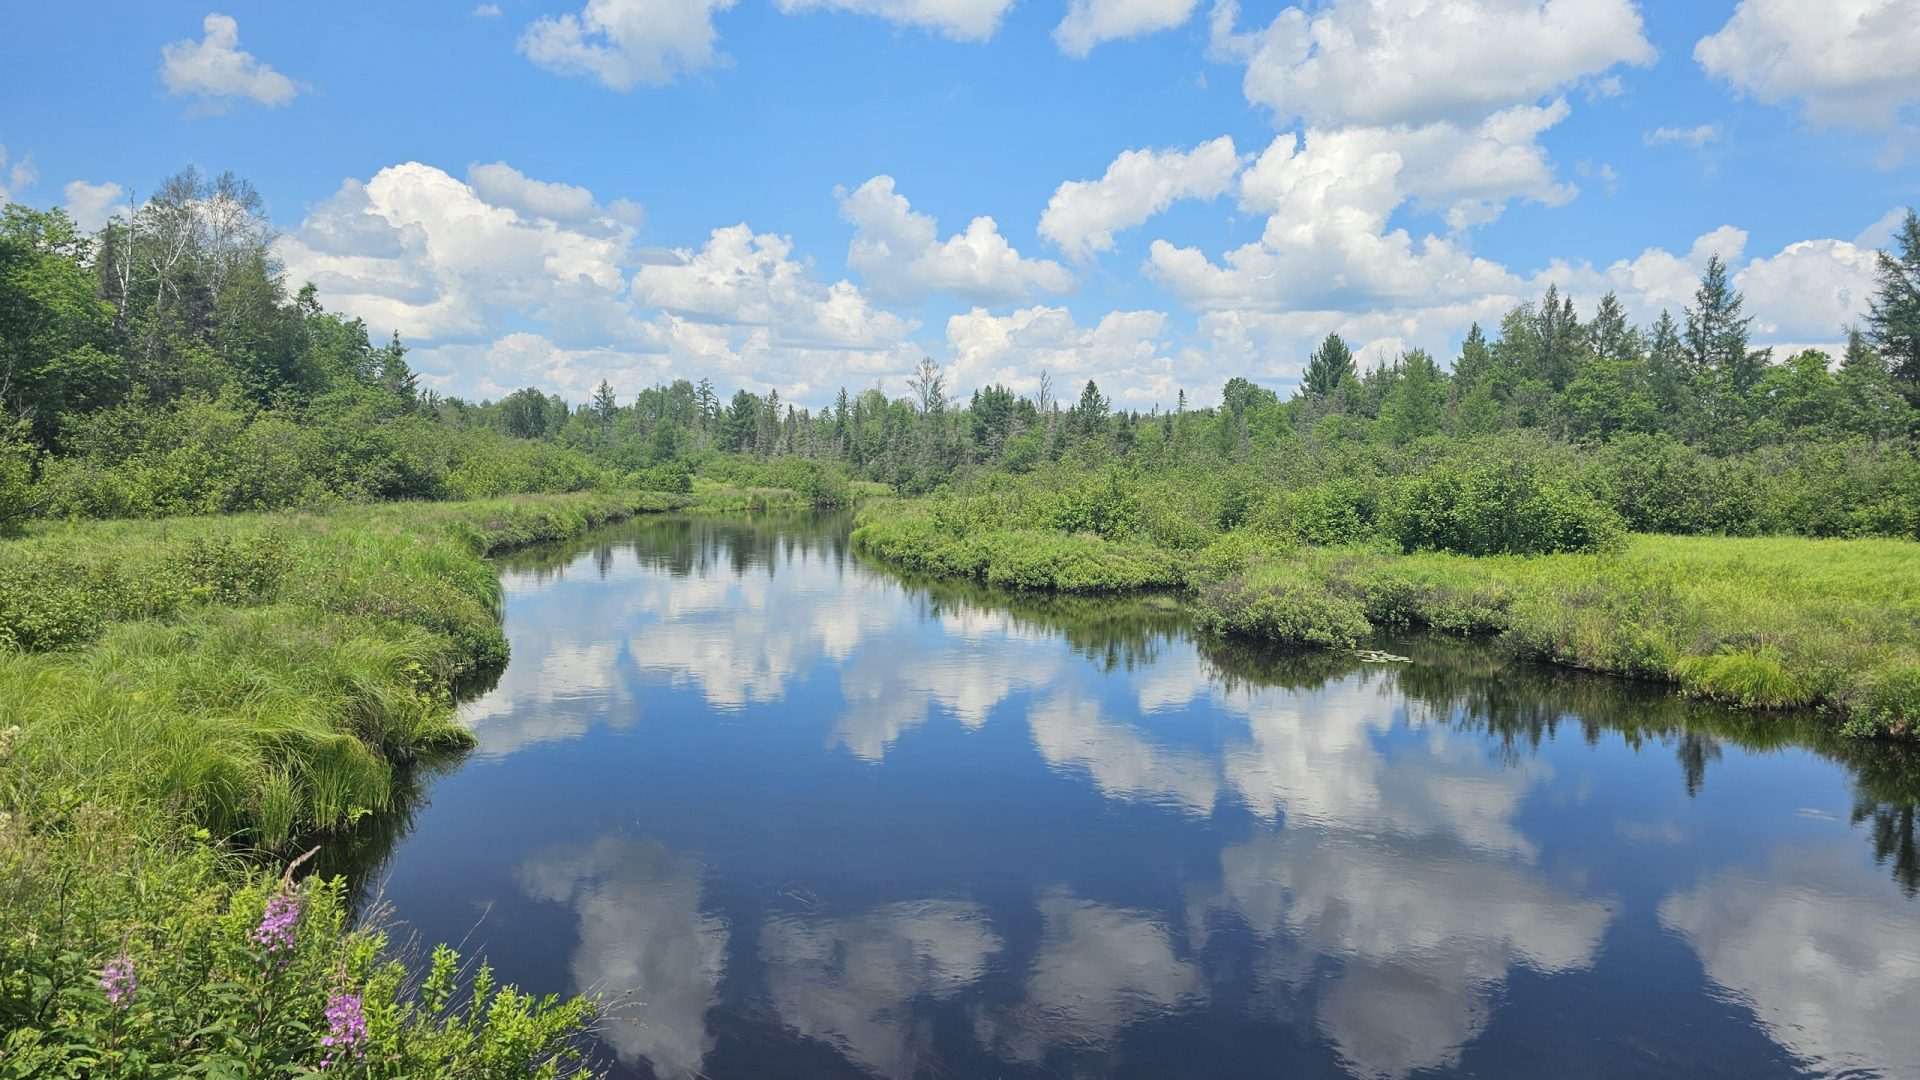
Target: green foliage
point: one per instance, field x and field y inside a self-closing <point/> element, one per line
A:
<point x="159" y="969"/>
<point x="16" y="485"/>
<point x="1105" y="505"/>
<point x="1756" y="679"/>
<point x="1330" y="365"/>
<point x="820" y="483"/>
<point x="1499" y="507"/>
<point x="1277" y="603"/>
<point x="1330" y="513"/>
<point x="1893" y="317"/>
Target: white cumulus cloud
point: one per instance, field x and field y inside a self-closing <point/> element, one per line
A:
<point x="216" y="69"/>
<point x="1091" y="22"/>
<point x="91" y="206"/>
<point x="1083" y="215"/>
<point x="740" y="277"/>
<point x="1329" y="198"/>
<point x="1124" y="352"/>
<point x="503" y="185"/>
<point x="900" y="254"/>
<point x="416" y="250"/>
<point x="1412" y="61"/>
<point x="623" y="43"/>
<point x="1848" y="62"/>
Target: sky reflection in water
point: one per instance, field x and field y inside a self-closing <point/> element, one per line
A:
<point x="800" y="818"/>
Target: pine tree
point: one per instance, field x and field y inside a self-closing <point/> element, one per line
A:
<point x="1475" y="366"/>
<point x="1668" y="373"/>
<point x="394" y="373"/>
<point x="1327" y="367"/>
<point x="1716" y="335"/>
<point x="1870" y="402"/>
<point x="1893" y="316"/>
<point x="605" y="405"/>
<point x="1560" y="340"/>
<point x="1414" y="406"/>
<point x="1610" y="336"/>
<point x="1090" y="415"/>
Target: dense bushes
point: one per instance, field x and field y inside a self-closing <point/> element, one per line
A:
<point x="16" y="485"/>
<point x="1838" y="488"/>
<point x="822" y="483"/>
<point x="1275" y="602"/>
<point x="1016" y="558"/>
<point x="207" y="456"/>
<point x="1498" y="507"/>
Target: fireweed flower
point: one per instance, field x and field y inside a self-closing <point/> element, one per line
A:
<point x="275" y="932"/>
<point x="346" y="1029"/>
<point x="119" y="981"/>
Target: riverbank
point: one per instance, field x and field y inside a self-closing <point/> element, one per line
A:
<point x="181" y="697"/>
<point x="1759" y="623"/>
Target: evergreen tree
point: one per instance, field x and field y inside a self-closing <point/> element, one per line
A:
<point x="1327" y="367"/>
<point x="1090" y="414"/>
<point x="1870" y="402"/>
<point x="392" y="372"/>
<point x="1561" y="342"/>
<point x="1716" y="334"/>
<point x="605" y="405"/>
<point x="1893" y="316"/>
<point x="1667" y="371"/>
<point x="1475" y="367"/>
<point x="1610" y="336"/>
<point x="740" y="422"/>
<point x="1415" y="405"/>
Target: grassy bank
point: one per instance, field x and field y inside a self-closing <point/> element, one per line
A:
<point x="179" y="700"/>
<point x="1755" y="622"/>
<point x="262" y="676"/>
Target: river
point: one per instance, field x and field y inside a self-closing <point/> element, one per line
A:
<point x="797" y="817"/>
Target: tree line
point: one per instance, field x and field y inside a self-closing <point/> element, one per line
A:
<point x="164" y="364"/>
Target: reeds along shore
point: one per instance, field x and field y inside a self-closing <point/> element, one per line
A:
<point x="1764" y="623"/>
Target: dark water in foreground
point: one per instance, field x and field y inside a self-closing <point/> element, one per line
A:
<point x="822" y="822"/>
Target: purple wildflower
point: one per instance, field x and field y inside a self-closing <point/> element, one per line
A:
<point x="275" y="932"/>
<point x="119" y="981"/>
<point x="346" y="1028"/>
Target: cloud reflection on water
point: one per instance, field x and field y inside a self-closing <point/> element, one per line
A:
<point x="1825" y="951"/>
<point x="852" y="981"/>
<point x="644" y="941"/>
<point x="1373" y="853"/>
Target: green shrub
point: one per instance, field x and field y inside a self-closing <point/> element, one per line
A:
<point x="1106" y="505"/>
<point x="16" y="485"/>
<point x="672" y="476"/>
<point x="1889" y="703"/>
<point x="1331" y="514"/>
<point x="1500" y="507"/>
<point x="1288" y="610"/>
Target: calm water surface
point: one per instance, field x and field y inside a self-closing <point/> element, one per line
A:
<point x="806" y="819"/>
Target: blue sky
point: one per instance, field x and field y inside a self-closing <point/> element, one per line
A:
<point x="1158" y="194"/>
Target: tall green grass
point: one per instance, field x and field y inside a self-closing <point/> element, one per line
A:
<point x="264" y="676"/>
